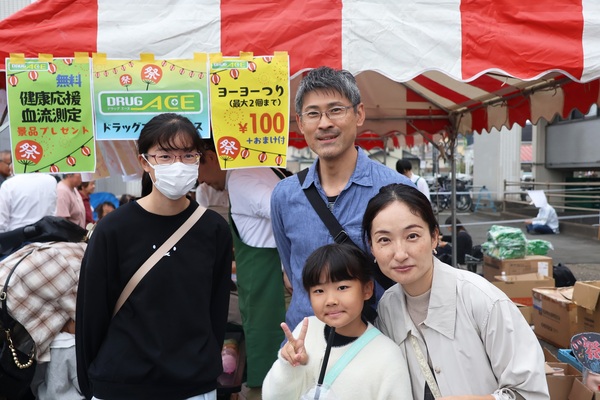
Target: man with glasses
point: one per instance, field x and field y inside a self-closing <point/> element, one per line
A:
<point x="328" y="112"/>
<point x="5" y="161"/>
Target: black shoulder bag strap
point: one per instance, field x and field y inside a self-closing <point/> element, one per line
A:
<point x="335" y="229"/>
<point x="7" y="321"/>
<point x="8" y="324"/>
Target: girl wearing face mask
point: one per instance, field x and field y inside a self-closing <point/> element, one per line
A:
<point x="462" y="337"/>
<point x="165" y="342"/>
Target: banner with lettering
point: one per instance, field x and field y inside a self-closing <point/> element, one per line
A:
<point x="250" y="99"/>
<point x="51" y="114"/>
<point x="128" y="93"/>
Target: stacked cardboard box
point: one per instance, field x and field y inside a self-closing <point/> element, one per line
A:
<point x="516" y="266"/>
<point x="519" y="288"/>
<point x="585" y="296"/>
<point x="560" y="376"/>
<point x="554" y="315"/>
<point x="580" y="392"/>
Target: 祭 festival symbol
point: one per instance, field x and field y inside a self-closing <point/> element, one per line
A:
<point x="250" y="109"/>
<point x="128" y="93"/>
<point x="586" y="348"/>
<point x="50" y="109"/>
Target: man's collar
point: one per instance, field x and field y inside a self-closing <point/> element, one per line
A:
<point x="361" y="174"/>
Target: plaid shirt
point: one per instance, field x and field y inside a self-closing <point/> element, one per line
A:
<point x="42" y="291"/>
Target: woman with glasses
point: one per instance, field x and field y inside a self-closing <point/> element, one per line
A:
<point x="165" y="342"/>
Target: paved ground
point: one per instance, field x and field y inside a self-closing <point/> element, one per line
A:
<point x="581" y="255"/>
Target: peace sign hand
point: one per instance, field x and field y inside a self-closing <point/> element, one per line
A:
<point x="293" y="351"/>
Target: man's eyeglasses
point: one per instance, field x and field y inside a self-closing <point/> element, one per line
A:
<point x="166" y="159"/>
<point x="313" y="116"/>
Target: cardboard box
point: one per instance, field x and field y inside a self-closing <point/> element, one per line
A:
<point x="527" y="312"/>
<point x="559" y="386"/>
<point x="554" y="315"/>
<point x="549" y="356"/>
<point x="585" y="295"/>
<point x="566" y="356"/>
<point x="515" y="266"/>
<point x="580" y="392"/>
<point x="518" y="288"/>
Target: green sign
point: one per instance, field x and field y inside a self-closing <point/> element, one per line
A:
<point x="181" y="102"/>
<point x="51" y="115"/>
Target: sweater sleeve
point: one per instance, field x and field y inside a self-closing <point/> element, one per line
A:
<point x="222" y="283"/>
<point x="283" y="381"/>
<point x="92" y="313"/>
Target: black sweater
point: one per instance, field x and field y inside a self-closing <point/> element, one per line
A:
<point x="166" y="340"/>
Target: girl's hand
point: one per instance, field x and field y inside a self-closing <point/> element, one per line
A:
<point x="293" y="351"/>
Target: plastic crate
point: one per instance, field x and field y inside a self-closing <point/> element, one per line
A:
<point x="566" y="355"/>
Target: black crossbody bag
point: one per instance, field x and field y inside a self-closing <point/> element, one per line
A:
<point x="334" y="227"/>
<point x="16" y="366"/>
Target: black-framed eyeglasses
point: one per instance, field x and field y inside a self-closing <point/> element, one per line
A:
<point x="167" y="159"/>
<point x="313" y="116"/>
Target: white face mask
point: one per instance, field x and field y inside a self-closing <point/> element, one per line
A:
<point x="175" y="180"/>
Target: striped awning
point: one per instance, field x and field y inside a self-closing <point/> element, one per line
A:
<point x="422" y="66"/>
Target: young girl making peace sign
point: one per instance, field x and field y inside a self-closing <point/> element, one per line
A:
<point x="338" y="282"/>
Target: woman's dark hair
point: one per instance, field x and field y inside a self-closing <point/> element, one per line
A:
<point x="459" y="226"/>
<point x="416" y="202"/>
<point x="167" y="131"/>
<point x="100" y="209"/>
<point x="147" y="184"/>
<point x="339" y="262"/>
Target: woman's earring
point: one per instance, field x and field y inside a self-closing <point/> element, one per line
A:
<point x="434" y="251"/>
<point x="374" y="261"/>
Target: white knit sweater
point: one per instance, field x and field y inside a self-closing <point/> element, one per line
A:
<point x="378" y="372"/>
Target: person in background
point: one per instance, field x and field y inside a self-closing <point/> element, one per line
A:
<point x="215" y="199"/>
<point x="338" y="281"/>
<point x="85" y="190"/>
<point x="165" y="342"/>
<point x="546" y="221"/>
<point x="125" y="198"/>
<point x="258" y="267"/>
<point x="405" y="168"/>
<point x="69" y="203"/>
<point x="464" y="242"/>
<point x="5" y="165"/>
<point x="25" y="199"/>
<point x="454" y="326"/>
<point x="328" y="112"/>
<point x="104" y="208"/>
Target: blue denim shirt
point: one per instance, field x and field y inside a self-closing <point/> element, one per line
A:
<point x="299" y="231"/>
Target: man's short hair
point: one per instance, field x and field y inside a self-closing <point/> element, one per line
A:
<point x="403" y="166"/>
<point x="326" y="78"/>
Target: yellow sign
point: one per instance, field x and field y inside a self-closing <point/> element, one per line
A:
<point x="250" y="109"/>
